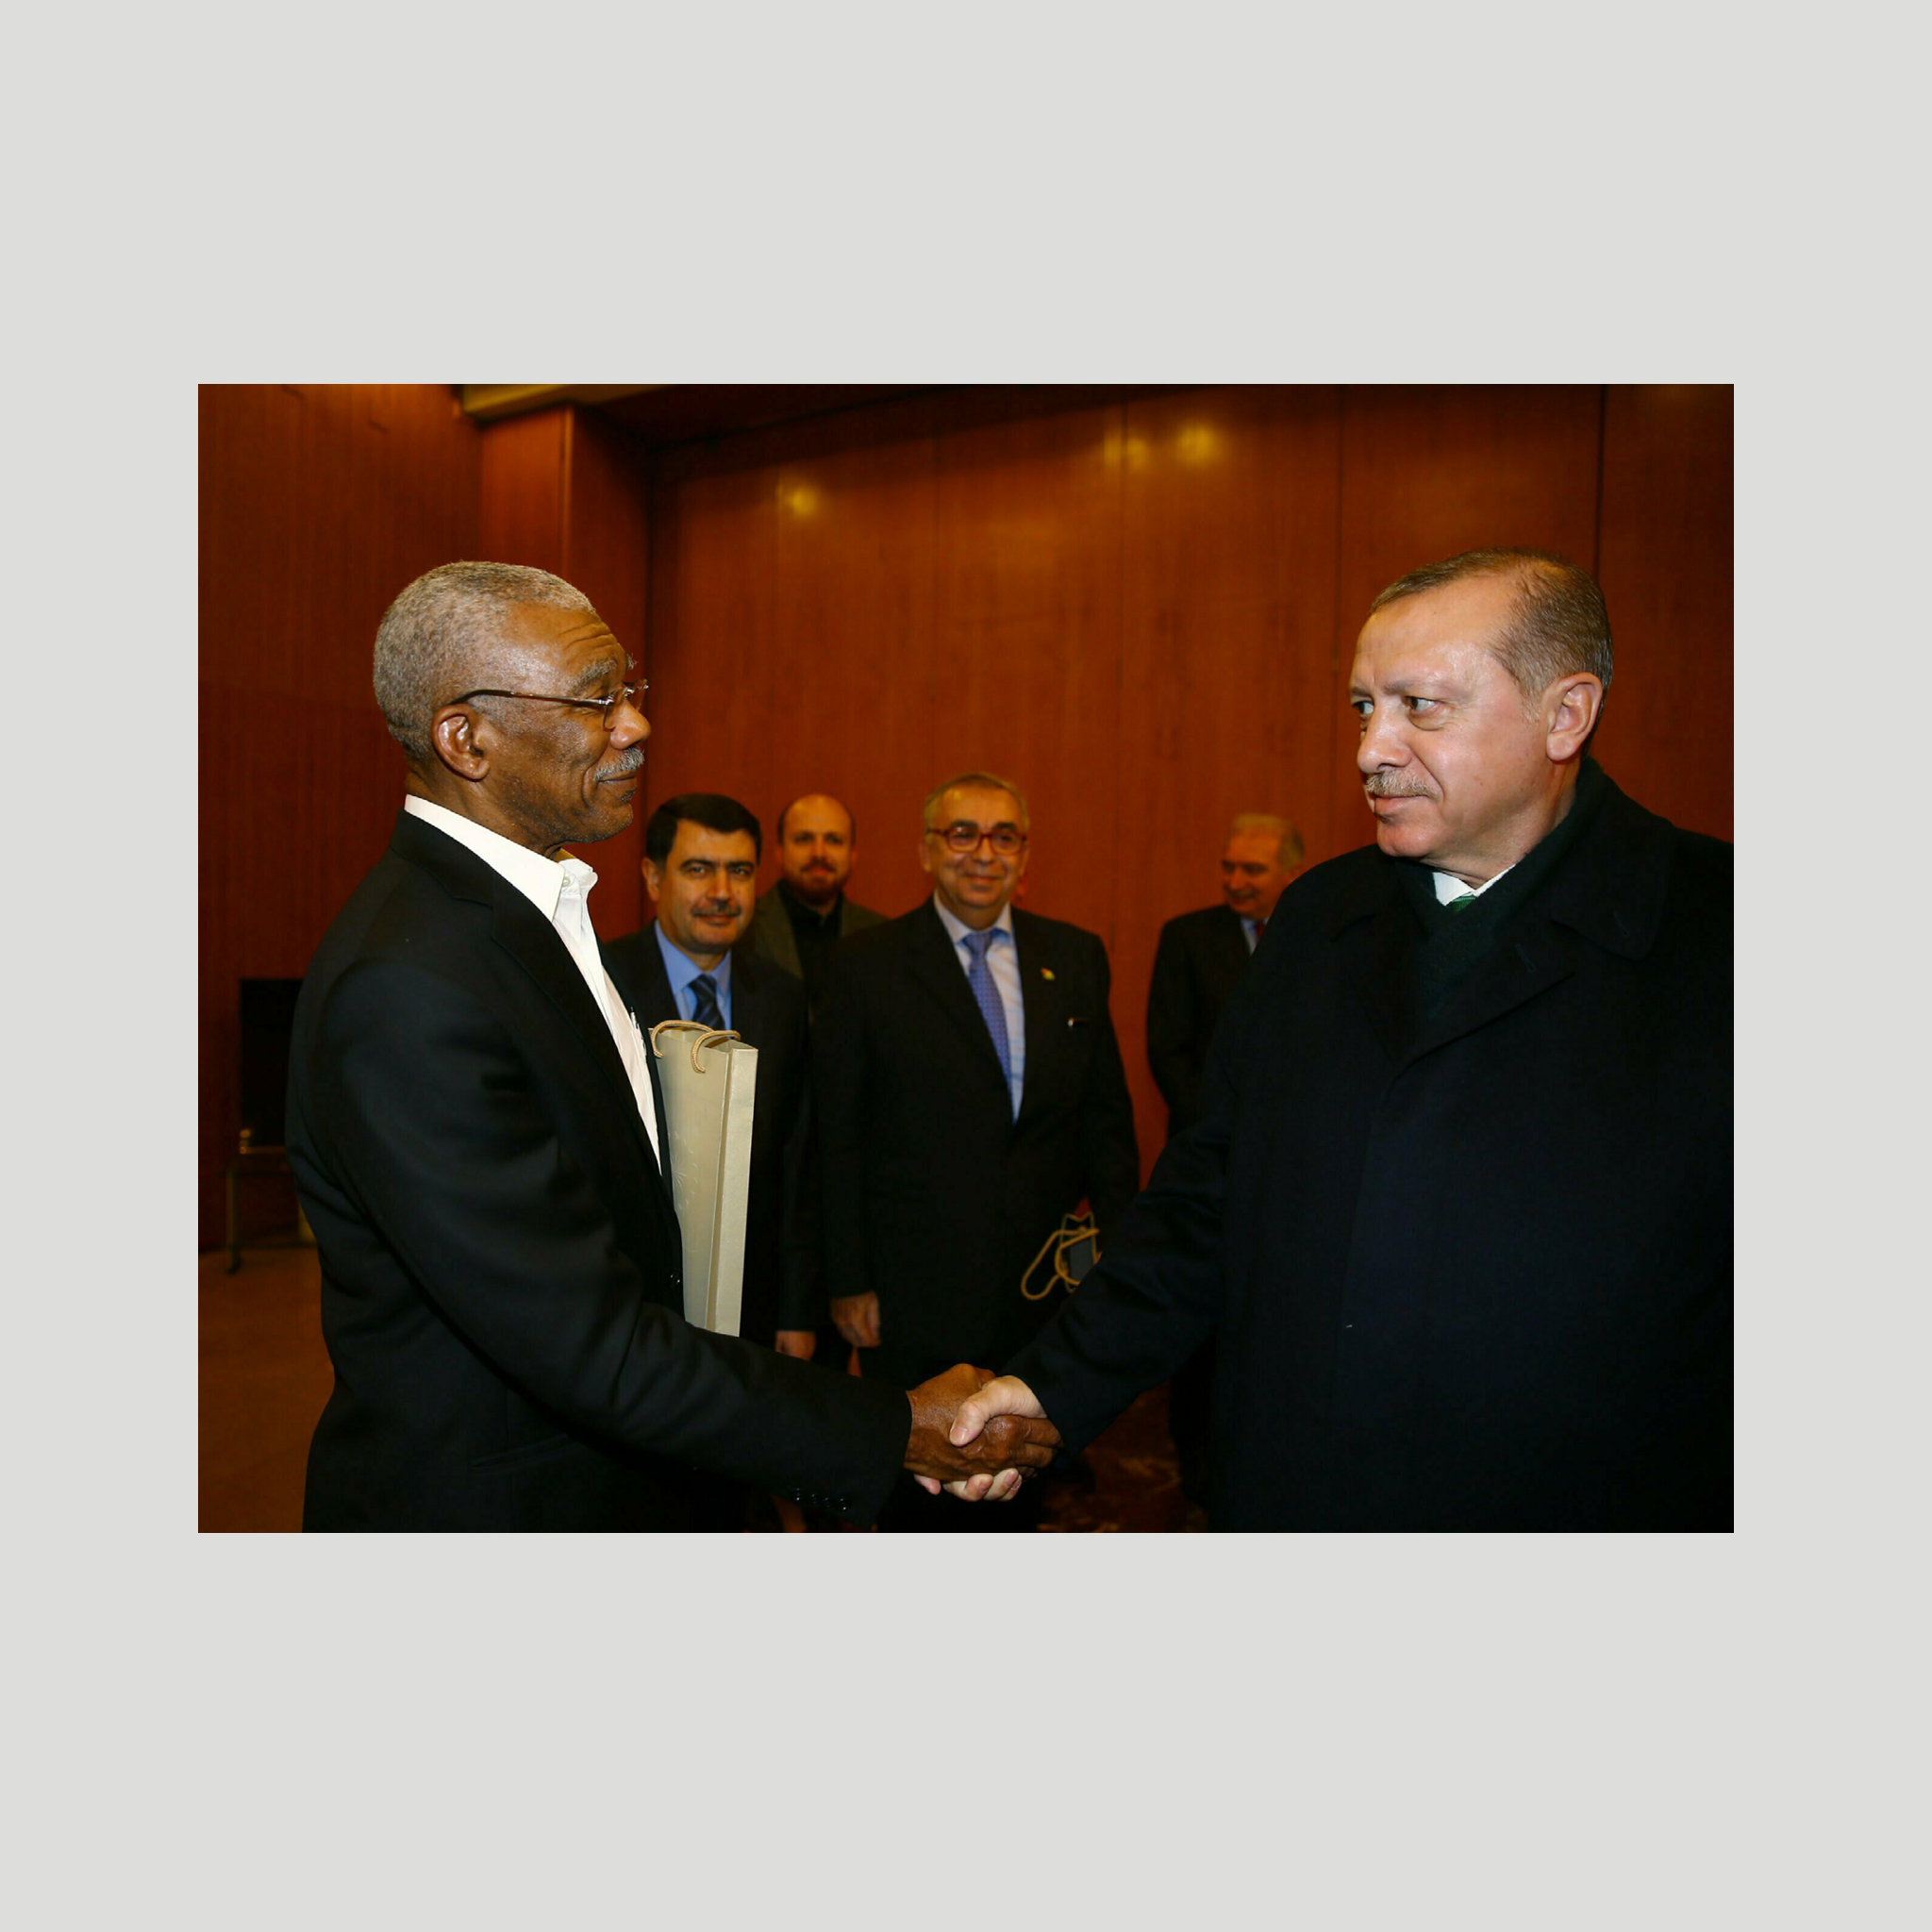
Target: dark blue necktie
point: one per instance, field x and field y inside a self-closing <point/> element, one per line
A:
<point x="987" y="996"/>
<point x="707" y="1011"/>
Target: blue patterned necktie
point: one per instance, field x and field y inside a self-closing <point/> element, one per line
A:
<point x="707" y="1012"/>
<point x="987" y="996"/>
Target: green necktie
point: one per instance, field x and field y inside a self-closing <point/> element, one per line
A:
<point x="1463" y="904"/>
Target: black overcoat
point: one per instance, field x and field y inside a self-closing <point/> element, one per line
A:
<point x="501" y="1292"/>
<point x="1472" y="1276"/>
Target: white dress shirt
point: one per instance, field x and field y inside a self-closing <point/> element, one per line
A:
<point x="1002" y="962"/>
<point x="559" y="889"/>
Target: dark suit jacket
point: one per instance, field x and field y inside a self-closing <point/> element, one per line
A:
<point x="1197" y="966"/>
<point x="1471" y="1272"/>
<point x="936" y="1198"/>
<point x="770" y="934"/>
<point x="501" y="1292"/>
<point x="784" y="1269"/>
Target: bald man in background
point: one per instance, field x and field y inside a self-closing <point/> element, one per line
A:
<point x="806" y="913"/>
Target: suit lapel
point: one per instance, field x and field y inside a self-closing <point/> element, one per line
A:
<point x="780" y="942"/>
<point x="1231" y="942"/>
<point x="1375" y="933"/>
<point x="1528" y="958"/>
<point x="1045" y="1016"/>
<point x="659" y="1002"/>
<point x="747" y="997"/>
<point x="523" y="932"/>
<point x="936" y="967"/>
<point x="532" y="942"/>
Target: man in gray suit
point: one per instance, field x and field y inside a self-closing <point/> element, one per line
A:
<point x="799" y="922"/>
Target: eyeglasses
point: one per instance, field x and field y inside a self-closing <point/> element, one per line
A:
<point x="606" y="707"/>
<point x="963" y="837"/>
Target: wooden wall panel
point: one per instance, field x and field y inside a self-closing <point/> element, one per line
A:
<point x="317" y="505"/>
<point x="715" y="657"/>
<point x="1429" y="471"/>
<point x="1228" y="622"/>
<point x="1141" y="604"/>
<point x="1026" y="659"/>
<point x="605" y="546"/>
<point x="1666" y="574"/>
<point x="852" y="693"/>
<point x="521" y="506"/>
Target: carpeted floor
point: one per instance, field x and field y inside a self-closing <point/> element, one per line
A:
<point x="265" y="1377"/>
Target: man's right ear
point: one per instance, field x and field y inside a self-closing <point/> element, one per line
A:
<point x="453" y="732"/>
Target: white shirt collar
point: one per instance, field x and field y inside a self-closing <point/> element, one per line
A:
<point x="956" y="930"/>
<point x="1448" y="887"/>
<point x="539" y="880"/>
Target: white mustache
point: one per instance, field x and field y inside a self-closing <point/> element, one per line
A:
<point x="631" y="758"/>
<point x="1386" y="785"/>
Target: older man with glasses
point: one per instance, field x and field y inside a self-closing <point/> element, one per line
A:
<point x="972" y="1097"/>
<point x="478" y="1140"/>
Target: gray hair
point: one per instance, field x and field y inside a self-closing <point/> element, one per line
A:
<point x="442" y="635"/>
<point x="1560" y="623"/>
<point x="987" y="782"/>
<point x="1276" y="827"/>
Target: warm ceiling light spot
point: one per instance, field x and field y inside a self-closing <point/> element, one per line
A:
<point x="1198" y="443"/>
<point x="801" y="499"/>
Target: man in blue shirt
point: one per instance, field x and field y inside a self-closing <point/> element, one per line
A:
<point x="701" y="861"/>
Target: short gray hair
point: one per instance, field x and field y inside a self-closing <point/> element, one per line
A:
<point x="987" y="782"/>
<point x="1277" y="827"/>
<point x="442" y="634"/>
<point x="1560" y="623"/>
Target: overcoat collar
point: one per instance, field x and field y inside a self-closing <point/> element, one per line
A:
<point x="1607" y="894"/>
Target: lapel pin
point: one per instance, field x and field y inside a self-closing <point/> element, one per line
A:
<point x="1046" y="973"/>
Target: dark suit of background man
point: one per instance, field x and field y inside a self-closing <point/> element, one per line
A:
<point x="970" y="1093"/>
<point x="474" y="1128"/>
<point x="1460" y="1201"/>
<point x="806" y="913"/>
<point x="1200" y="959"/>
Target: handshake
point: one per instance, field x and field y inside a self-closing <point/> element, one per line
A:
<point x="975" y="1435"/>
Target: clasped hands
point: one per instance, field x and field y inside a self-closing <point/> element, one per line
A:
<point x="977" y="1435"/>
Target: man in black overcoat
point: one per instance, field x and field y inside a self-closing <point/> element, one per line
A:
<point x="1460" y="1204"/>
<point x="474" y="1129"/>
<point x="971" y="1095"/>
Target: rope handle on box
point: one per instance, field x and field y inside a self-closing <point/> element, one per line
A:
<point x="706" y="1037"/>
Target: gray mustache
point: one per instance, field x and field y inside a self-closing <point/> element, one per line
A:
<point x="631" y="758"/>
<point x="1385" y="784"/>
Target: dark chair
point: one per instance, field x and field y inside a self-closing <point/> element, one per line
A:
<point x="267" y="1021"/>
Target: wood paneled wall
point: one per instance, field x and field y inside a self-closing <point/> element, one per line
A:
<point x="1143" y="610"/>
<point x="566" y="491"/>
<point x="318" y="504"/>
<point x="1139" y="605"/>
